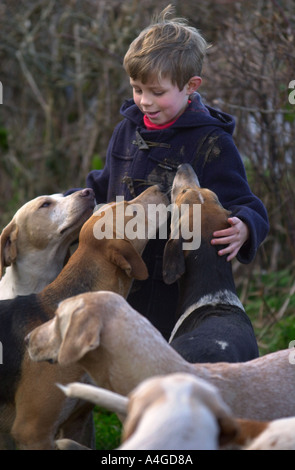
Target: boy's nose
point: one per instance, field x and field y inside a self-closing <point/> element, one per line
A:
<point x="146" y="99"/>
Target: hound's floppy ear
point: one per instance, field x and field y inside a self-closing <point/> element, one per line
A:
<point x="136" y="408"/>
<point x="132" y="421"/>
<point x="8" y="248"/>
<point x="82" y="334"/>
<point x="123" y="254"/>
<point x="228" y="425"/>
<point x="173" y="262"/>
<point x="229" y="429"/>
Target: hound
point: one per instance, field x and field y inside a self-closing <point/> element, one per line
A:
<point x="120" y="348"/>
<point x="172" y="412"/>
<point x="177" y="412"/>
<point x="212" y="325"/>
<point x="33" y="408"/>
<point x="175" y="392"/>
<point x="34" y="245"/>
<point x="278" y="434"/>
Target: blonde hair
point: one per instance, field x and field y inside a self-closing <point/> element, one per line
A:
<point x="168" y="48"/>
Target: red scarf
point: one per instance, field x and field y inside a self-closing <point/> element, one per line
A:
<point x="156" y="127"/>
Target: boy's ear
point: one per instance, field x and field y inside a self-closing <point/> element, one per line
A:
<point x="193" y="84"/>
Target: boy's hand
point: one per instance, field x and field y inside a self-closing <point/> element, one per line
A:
<point x="235" y="236"/>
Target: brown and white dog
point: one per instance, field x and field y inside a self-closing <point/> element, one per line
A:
<point x="175" y="411"/>
<point x="278" y="434"/>
<point x="120" y="348"/>
<point x="32" y="408"/>
<point x="34" y="245"/>
<point x="212" y="325"/>
<point x="234" y="434"/>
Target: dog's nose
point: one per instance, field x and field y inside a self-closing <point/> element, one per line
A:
<point x="51" y="361"/>
<point x="87" y="192"/>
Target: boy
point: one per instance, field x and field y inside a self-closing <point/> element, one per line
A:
<point x="165" y="125"/>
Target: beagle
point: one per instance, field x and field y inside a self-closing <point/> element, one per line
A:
<point x="35" y="408"/>
<point x="173" y="412"/>
<point x="278" y="434"/>
<point x="177" y="412"/>
<point x="34" y="245"/>
<point x="211" y="325"/>
<point x="176" y="392"/>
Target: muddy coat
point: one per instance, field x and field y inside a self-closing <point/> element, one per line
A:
<point x="137" y="157"/>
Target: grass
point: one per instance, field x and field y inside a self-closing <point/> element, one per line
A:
<point x="270" y="304"/>
<point x="107" y="429"/>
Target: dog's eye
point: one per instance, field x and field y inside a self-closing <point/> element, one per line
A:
<point x="45" y="204"/>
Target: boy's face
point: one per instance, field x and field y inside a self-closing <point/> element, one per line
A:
<point x="160" y="100"/>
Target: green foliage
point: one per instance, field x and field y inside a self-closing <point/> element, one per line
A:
<point x="107" y="428"/>
<point x="3" y="138"/>
<point x="289" y="115"/>
<point x="283" y="333"/>
<point x="270" y="304"/>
